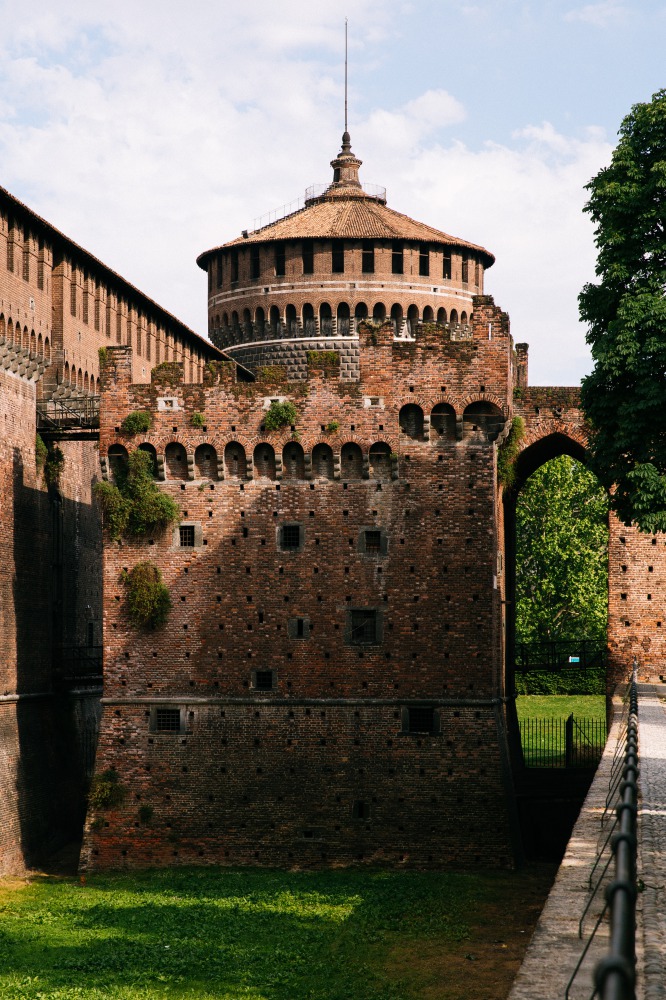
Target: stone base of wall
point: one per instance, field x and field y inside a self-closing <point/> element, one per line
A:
<point x="293" y="354"/>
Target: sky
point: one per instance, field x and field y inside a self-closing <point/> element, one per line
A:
<point x="149" y="131"/>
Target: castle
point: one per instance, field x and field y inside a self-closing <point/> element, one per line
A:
<point x="333" y="683"/>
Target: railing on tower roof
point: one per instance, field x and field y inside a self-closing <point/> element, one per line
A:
<point x="371" y="190"/>
<point x="313" y="192"/>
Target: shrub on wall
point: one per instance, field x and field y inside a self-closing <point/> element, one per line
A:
<point x="105" y="791"/>
<point x="280" y="415"/>
<point x="136" y="422"/>
<point x="508" y="452"/>
<point x="197" y="420"/>
<point x="41" y="453"/>
<point x="134" y="504"/>
<point x="53" y="465"/>
<point x="148" y="597"/>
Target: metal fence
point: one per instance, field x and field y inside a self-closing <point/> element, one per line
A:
<point x="567" y="742"/>
<point x="555" y="655"/>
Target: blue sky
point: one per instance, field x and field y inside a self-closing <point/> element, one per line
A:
<point x="149" y="131"/>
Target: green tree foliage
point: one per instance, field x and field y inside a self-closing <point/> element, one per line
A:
<point x="625" y="396"/>
<point x="134" y="504"/>
<point x="561" y="554"/>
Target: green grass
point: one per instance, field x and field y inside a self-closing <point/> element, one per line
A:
<point x="556" y="706"/>
<point x="230" y="934"/>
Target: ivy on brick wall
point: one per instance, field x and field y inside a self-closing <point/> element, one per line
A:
<point x="148" y="597"/>
<point x="508" y="452"/>
<point x="134" y="504"/>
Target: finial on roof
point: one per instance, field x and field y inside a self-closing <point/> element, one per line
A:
<point x="345" y="165"/>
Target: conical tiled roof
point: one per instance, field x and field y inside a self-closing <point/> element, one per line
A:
<point x="346" y="211"/>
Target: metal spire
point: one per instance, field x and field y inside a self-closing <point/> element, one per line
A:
<point x="346" y="75"/>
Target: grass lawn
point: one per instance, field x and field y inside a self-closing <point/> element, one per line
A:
<point x="559" y="706"/>
<point x="233" y="934"/>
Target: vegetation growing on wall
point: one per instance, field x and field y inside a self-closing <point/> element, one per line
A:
<point x="280" y="415"/>
<point x="136" y="422"/>
<point x="561" y="554"/>
<point x="508" y="452"/>
<point x="106" y="792"/>
<point x="41" y="453"/>
<point x="54" y="465"/>
<point x="134" y="504"/>
<point x="197" y="419"/>
<point x="148" y="597"/>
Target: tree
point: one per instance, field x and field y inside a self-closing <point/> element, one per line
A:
<point x="561" y="554"/>
<point x="625" y="396"/>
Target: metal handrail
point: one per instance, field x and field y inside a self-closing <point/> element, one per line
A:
<point x="559" y="654"/>
<point x="615" y="974"/>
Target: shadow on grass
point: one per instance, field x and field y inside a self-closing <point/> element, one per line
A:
<point x="225" y="933"/>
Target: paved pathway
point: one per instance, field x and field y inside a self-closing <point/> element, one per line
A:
<point x="555" y="947"/>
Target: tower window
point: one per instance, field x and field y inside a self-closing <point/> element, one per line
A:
<point x="397" y="257"/>
<point x="373" y="541"/>
<point x="186" y="536"/>
<point x="307" y="251"/>
<point x="420" y="719"/>
<point x="279" y="259"/>
<point x="254" y="262"/>
<point x="219" y="272"/>
<point x="338" y="256"/>
<point x="424" y="260"/>
<point x="446" y="273"/>
<point x="290" y="537"/>
<point x="363" y="626"/>
<point x="166" y="720"/>
<point x="234" y="266"/>
<point x="368" y="257"/>
<point x="263" y="680"/>
<point x="465" y="267"/>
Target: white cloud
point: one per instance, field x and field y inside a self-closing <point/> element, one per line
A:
<point x="407" y="126"/>
<point x="601" y="15"/>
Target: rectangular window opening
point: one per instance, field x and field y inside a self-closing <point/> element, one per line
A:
<point x="373" y="541"/>
<point x="290" y="536"/>
<point x="446" y="272"/>
<point x="234" y="266"/>
<point x="465" y="267"/>
<point x="368" y="257"/>
<point x="263" y="680"/>
<point x="397" y="257"/>
<point x="280" y="259"/>
<point x="338" y="256"/>
<point x="186" y="533"/>
<point x="421" y="719"/>
<point x="424" y="260"/>
<point x="254" y="262"/>
<point x="363" y="626"/>
<point x="167" y="720"/>
<point x="307" y="250"/>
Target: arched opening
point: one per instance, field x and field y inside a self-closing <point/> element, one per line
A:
<point x="65" y="374"/>
<point x="2" y="326"/>
<point x="463" y="318"/>
<point x="292" y="323"/>
<point x="453" y="320"/>
<point x="10" y="331"/>
<point x="443" y="423"/>
<point x="360" y="311"/>
<point x="482" y="422"/>
<point x="428" y="315"/>
<point x="40" y="346"/>
<point x="118" y="459"/>
<point x="293" y="461"/>
<point x="150" y="450"/>
<point x="380" y="460"/>
<point x="235" y="325"/>
<point x="441" y="315"/>
<point x="325" y="320"/>
<point x="235" y="462"/>
<point x="322" y="461"/>
<point x="47" y="349"/>
<point x="264" y="461"/>
<point x="411" y="421"/>
<point x="343" y="319"/>
<point x="260" y="321"/>
<point x="247" y="326"/>
<point x="175" y="458"/>
<point x="378" y="312"/>
<point x="309" y="324"/>
<point x="396" y="318"/>
<point x="86" y="383"/>
<point x="225" y="324"/>
<point x="412" y="318"/>
<point x="351" y="461"/>
<point x="556" y="587"/>
<point x="274" y="320"/>
<point x="205" y="462"/>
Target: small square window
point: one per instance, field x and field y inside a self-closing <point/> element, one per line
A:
<point x="290" y="536"/>
<point x="263" y="680"/>
<point x="167" y="720"/>
<point x="186" y="535"/>
<point x="420" y="719"/>
<point x="361" y="810"/>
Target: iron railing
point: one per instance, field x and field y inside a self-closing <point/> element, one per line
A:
<point x="615" y="973"/>
<point x="555" y="655"/>
<point x="567" y="742"/>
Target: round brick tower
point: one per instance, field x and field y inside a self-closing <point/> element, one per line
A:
<point x="305" y="281"/>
